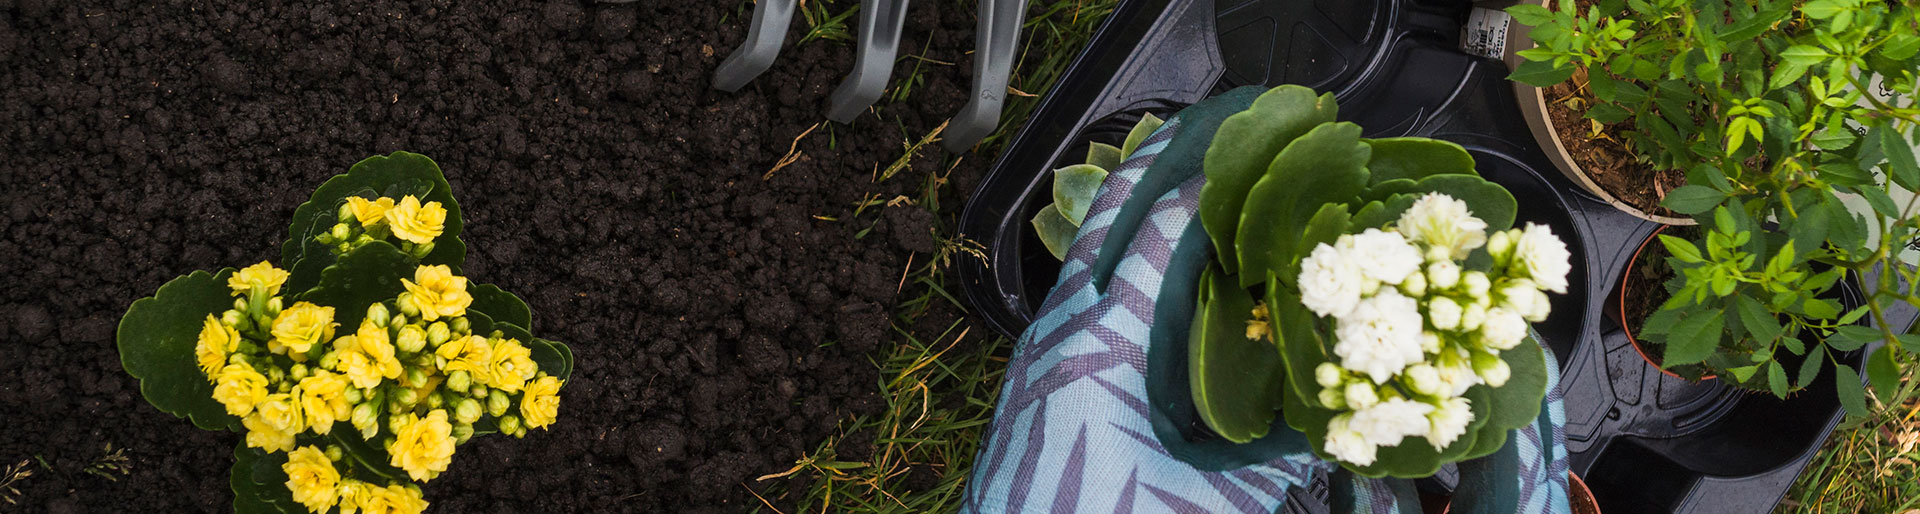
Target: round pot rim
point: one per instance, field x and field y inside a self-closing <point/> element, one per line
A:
<point x="1621" y="307"/>
<point x="1533" y="108"/>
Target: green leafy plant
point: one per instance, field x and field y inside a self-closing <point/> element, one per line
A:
<point x="1074" y="188"/>
<point x="1362" y="287"/>
<point x="1779" y="112"/>
<point x="348" y="419"/>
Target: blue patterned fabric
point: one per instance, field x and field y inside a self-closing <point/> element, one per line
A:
<point x="1072" y="432"/>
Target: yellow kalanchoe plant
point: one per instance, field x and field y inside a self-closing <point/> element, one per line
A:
<point x="357" y="372"/>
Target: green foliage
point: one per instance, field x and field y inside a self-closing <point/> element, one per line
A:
<point x="1326" y="165"/>
<point x="157" y="338"/>
<point x="394" y="176"/>
<point x="1074" y="188"/>
<point x="1243" y="152"/>
<point x="1777" y="111"/>
<point x="1236" y="381"/>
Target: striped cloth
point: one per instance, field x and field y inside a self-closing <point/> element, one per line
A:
<point x="1072" y="432"/>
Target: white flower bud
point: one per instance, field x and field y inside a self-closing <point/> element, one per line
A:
<point x="1332" y="398"/>
<point x="1328" y="374"/>
<point x="1500" y="246"/>
<point x="1423" y="380"/>
<point x="1429" y="342"/>
<point x="1541" y="307"/>
<point x="1438" y="253"/>
<point x="1443" y="313"/>
<point x="1475" y="315"/>
<point x="1415" y="285"/>
<point x="1348" y="445"/>
<point x="1360" y="395"/>
<point x="1491" y="369"/>
<point x="1503" y="329"/>
<point x="1476" y="283"/>
<point x="1443" y="274"/>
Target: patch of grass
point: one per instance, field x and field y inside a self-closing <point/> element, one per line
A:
<point x="1871" y="463"/>
<point x="939" y="389"/>
<point x="10" y="482"/>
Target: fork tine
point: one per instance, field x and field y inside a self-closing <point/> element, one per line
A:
<point x="881" y="22"/>
<point x="996" y="44"/>
<point x="756" y="54"/>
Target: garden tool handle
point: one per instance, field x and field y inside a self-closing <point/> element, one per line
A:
<point x="995" y="46"/>
<point x="880" y="24"/>
<point x="756" y="54"/>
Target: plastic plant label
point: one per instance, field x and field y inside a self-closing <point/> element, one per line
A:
<point x="1486" y="33"/>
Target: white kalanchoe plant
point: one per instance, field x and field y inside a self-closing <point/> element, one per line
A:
<point x="1414" y="329"/>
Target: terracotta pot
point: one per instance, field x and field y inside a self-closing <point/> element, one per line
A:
<point x="1533" y="107"/>
<point x="1620" y="307"/>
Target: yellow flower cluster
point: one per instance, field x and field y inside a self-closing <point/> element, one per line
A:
<point x="413" y="377"/>
<point x="362" y="220"/>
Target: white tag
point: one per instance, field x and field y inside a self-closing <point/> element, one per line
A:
<point x="1486" y="33"/>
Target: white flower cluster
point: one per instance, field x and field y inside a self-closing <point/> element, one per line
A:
<point x="1414" y="329"/>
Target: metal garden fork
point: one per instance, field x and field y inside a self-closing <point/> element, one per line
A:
<point x="881" y="21"/>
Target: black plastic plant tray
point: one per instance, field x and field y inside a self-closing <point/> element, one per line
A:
<point x="1643" y="441"/>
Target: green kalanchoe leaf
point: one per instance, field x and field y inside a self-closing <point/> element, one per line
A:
<point x="553" y="357"/>
<point x="1055" y="231"/>
<point x="1147" y="125"/>
<point x="253" y="497"/>
<point x="1326" y="165"/>
<point x="1517" y="403"/>
<point x="367" y="456"/>
<point x="1074" y="188"/>
<point x="369" y="274"/>
<point x="1488" y="201"/>
<point x="157" y="338"/>
<point x="1415" y="158"/>
<point x="394" y="175"/>
<point x="500" y="305"/>
<point x="1243" y="150"/>
<point x="1104" y="156"/>
<point x="1236" y="381"/>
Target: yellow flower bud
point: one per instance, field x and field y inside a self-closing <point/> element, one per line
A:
<point x="466" y="411"/>
<point x="323" y="399"/>
<point x="510" y="425"/>
<point x="406" y="397"/>
<point x="511" y="366"/>
<point x="263" y="274"/>
<point x="416" y="223"/>
<point x="411" y="339"/>
<point x="438" y="333"/>
<point x="369" y="212"/>
<point x="377" y="313"/>
<point x="461" y="433"/>
<point x="300" y="326"/>
<point x="355" y="496"/>
<point x="435" y="401"/>
<point x="541" y="405"/>
<point x="436" y="292"/>
<point x="312" y="479"/>
<point x="239" y="388"/>
<point x="366" y="418"/>
<point x="460" y="325"/>
<point x="216" y="341"/>
<point x="497" y="403"/>
<point x="424" y="446"/>
<point x="281" y="411"/>
<point x="334" y="453"/>
<point x="459" y="381"/>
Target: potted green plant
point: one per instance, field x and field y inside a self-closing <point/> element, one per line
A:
<point x="1781" y="114"/>
<point x="355" y="371"/>
<point x="1075" y="186"/>
<point x="1372" y="290"/>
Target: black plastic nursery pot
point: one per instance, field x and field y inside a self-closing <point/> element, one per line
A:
<point x="1643" y="441"/>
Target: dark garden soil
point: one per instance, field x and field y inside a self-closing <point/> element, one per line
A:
<point x="1604" y="156"/>
<point x="723" y="323"/>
